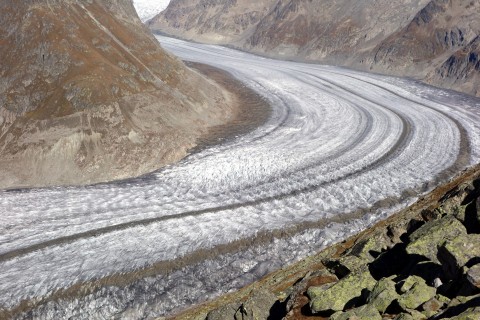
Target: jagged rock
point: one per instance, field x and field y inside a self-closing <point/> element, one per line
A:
<point x="410" y="282"/>
<point x="431" y="307"/>
<point x="345" y="265"/>
<point x="457" y="252"/>
<point x="473" y="275"/>
<point x="416" y="315"/>
<point x="374" y="244"/>
<point x="427" y="238"/>
<point x="382" y="294"/>
<point x="317" y="291"/>
<point x="366" y="312"/>
<point x="415" y="293"/>
<point x="225" y="312"/>
<point x="257" y="307"/>
<point x="347" y="289"/>
<point x="403" y="316"/>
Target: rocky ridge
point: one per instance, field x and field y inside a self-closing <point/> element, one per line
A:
<point x="422" y="263"/>
<point x="86" y="92"/>
<point x="433" y="40"/>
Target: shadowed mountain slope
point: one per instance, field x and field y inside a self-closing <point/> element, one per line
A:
<point x="87" y="94"/>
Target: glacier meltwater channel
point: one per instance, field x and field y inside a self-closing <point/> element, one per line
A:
<point x="336" y="141"/>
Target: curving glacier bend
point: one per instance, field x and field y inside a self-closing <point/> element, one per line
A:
<point x="337" y="141"/>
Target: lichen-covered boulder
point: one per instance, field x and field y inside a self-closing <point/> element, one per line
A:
<point x="383" y="294"/>
<point x="257" y="307"/>
<point x="225" y="312"/>
<point x="457" y="252"/>
<point x="426" y="240"/>
<point x="431" y="307"/>
<point x="336" y="297"/>
<point x="416" y="293"/>
<point x="412" y="315"/>
<point x="366" y="312"/>
<point x="403" y="316"/>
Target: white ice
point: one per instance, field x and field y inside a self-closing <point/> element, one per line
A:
<point x="147" y="9"/>
<point x="337" y="140"/>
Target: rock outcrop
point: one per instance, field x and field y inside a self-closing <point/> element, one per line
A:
<point x="422" y="263"/>
<point x="434" y="40"/>
<point x="87" y="94"/>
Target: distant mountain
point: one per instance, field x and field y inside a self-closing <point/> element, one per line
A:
<point x="87" y="94"/>
<point x="434" y="40"/>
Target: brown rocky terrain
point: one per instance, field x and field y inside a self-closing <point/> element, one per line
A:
<point x="87" y="94"/>
<point x="421" y="263"/>
<point x="433" y="40"/>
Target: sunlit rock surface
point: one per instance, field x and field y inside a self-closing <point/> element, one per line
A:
<point x="434" y="40"/>
<point x="88" y="95"/>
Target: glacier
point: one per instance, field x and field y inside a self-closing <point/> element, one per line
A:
<point x="341" y="150"/>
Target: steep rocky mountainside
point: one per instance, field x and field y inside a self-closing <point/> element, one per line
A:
<point x="434" y="40"/>
<point x="87" y="94"/>
<point x="212" y="21"/>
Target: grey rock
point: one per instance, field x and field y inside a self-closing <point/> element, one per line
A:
<point x="258" y="306"/>
<point x="366" y="312"/>
<point x="457" y="252"/>
<point x="431" y="307"/>
<point x="416" y="293"/>
<point x="336" y="297"/>
<point x="382" y="295"/>
<point x="226" y="312"/>
<point x="473" y="276"/>
<point x="426" y="240"/>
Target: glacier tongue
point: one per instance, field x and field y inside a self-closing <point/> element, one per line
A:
<point x="337" y="141"/>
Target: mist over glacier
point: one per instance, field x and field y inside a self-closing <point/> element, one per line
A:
<point x="337" y="141"/>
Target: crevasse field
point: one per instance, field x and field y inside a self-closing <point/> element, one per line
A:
<point x="337" y="141"/>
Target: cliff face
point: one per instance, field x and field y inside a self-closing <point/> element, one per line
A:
<point x="404" y="37"/>
<point x="212" y="21"/>
<point x="87" y="95"/>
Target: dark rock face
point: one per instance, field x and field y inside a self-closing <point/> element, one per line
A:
<point x="86" y="91"/>
<point x="428" y="39"/>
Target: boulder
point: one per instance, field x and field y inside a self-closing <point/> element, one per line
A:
<point x="473" y="276"/>
<point x="367" y="248"/>
<point x="345" y="265"/>
<point x="403" y="316"/>
<point x="366" y="312"/>
<point x="416" y="293"/>
<point x="426" y="240"/>
<point x="459" y="251"/>
<point x="257" y="307"/>
<point x="431" y="307"/>
<point x="412" y="315"/>
<point x="346" y="290"/>
<point x="383" y="294"/>
<point x="225" y="312"/>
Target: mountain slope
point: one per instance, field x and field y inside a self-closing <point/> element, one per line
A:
<point x="88" y="95"/>
<point x="402" y="37"/>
